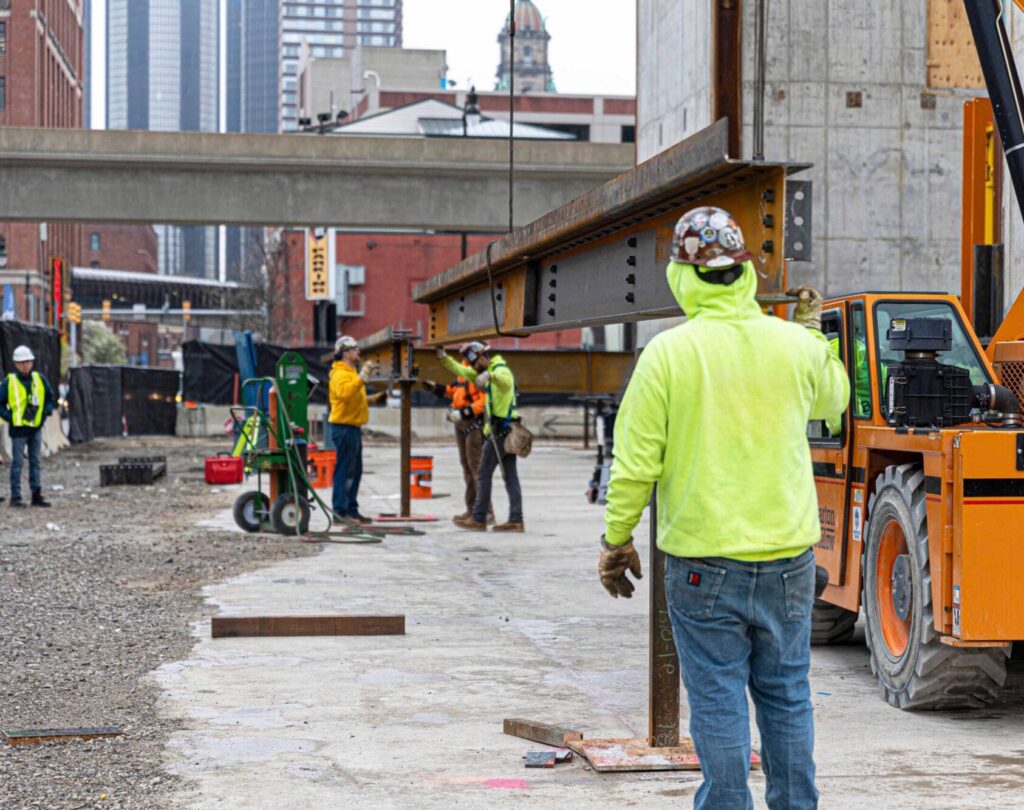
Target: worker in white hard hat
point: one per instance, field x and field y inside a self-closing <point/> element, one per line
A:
<point x="349" y="412"/>
<point x="26" y="399"/>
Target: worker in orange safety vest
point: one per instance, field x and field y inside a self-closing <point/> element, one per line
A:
<point x="466" y="412"/>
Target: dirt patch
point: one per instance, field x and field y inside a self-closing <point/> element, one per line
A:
<point x="96" y="593"/>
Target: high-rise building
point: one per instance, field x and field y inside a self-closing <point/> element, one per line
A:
<point x="41" y="85"/>
<point x="326" y="28"/>
<point x="163" y="74"/>
<point x="531" y="67"/>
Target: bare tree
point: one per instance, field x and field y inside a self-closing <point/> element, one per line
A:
<point x="265" y="266"/>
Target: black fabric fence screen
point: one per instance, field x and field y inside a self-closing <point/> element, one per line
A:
<point x="44" y="343"/>
<point x="210" y="370"/>
<point x="105" y="400"/>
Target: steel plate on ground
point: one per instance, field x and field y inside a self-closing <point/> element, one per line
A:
<point x="624" y="754"/>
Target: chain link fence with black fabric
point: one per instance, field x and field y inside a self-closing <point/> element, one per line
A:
<point x="44" y="343"/>
<point x="105" y="401"/>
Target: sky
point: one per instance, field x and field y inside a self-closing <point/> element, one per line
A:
<point x="593" y="44"/>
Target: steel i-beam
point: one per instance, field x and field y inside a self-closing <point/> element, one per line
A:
<point x="600" y="258"/>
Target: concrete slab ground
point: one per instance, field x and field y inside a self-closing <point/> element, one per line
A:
<point x="514" y="626"/>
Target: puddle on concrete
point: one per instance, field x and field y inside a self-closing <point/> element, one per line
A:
<point x="201" y="752"/>
<point x="430" y="718"/>
<point x="255" y="717"/>
<point x="397" y="677"/>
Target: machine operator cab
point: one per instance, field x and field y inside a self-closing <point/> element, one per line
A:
<point x="845" y="324"/>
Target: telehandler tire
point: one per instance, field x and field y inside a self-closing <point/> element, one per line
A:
<point x="831" y="624"/>
<point x="914" y="669"/>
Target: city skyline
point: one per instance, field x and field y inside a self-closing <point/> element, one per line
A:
<point x="591" y="54"/>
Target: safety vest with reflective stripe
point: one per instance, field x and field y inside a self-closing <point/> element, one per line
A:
<point x="18" y="399"/>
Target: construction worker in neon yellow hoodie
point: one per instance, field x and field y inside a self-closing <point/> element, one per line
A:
<point x="716" y="415"/>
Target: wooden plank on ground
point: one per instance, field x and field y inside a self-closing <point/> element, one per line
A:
<point x="236" y="626"/>
<point x="36" y="736"/>
<point x="548" y="734"/>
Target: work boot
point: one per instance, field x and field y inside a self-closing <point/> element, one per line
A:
<point x="18" y="503"/>
<point x="463" y="516"/>
<point x="509" y="527"/>
<point x="472" y="525"/>
<point x="38" y="499"/>
<point x="361" y="519"/>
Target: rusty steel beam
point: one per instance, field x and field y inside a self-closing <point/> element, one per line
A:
<point x="599" y="259"/>
<point x="727" y="96"/>
<point x="549" y="372"/>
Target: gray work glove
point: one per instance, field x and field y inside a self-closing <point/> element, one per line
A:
<point x="439" y="352"/>
<point x="612" y="567"/>
<point x="482" y="380"/>
<point x="368" y="370"/>
<point x="455" y="417"/>
<point x="808" y="306"/>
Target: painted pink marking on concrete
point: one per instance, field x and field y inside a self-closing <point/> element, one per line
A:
<point x="507" y="784"/>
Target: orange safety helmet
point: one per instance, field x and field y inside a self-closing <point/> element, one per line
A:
<point x="709" y="237"/>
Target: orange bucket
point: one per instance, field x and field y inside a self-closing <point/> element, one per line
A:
<point x="421" y="473"/>
<point x="320" y="464"/>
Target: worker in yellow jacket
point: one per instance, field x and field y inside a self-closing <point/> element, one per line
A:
<point x="349" y="412"/>
<point x="716" y="415"/>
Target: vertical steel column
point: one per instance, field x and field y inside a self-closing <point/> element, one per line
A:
<point x="663" y="724"/>
<point x="406" y="446"/>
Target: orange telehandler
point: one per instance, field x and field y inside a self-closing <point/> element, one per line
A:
<point x="921" y="487"/>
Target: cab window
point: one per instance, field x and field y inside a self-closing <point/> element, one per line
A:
<point x="962" y="354"/>
<point x="819" y="431"/>
<point x="861" y="375"/>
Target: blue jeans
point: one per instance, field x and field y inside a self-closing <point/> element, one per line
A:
<point x="348" y="469"/>
<point x="19" y="444"/>
<point x="484" y="481"/>
<point x="740" y="626"/>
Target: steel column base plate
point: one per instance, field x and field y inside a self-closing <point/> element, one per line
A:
<point x="624" y="754"/>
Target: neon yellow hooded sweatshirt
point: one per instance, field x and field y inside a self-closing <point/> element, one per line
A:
<point x="716" y="414"/>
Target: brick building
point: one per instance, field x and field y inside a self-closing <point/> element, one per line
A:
<point x="376" y="276"/>
<point x="41" y="85"/>
<point x="135" y="249"/>
<point x="122" y="247"/>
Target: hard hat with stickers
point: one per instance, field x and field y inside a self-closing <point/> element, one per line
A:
<point x="709" y="237"/>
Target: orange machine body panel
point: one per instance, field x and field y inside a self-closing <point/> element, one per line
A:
<point x="988" y="536"/>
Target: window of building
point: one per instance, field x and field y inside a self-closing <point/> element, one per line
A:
<point x="3" y="251"/>
<point x="3" y="93"/>
<point x="628" y="134"/>
<point x="94" y="241"/>
<point x="3" y="37"/>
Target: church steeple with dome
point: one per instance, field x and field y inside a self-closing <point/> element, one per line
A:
<point x="532" y="70"/>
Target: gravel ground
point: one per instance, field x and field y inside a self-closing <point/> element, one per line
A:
<point x="90" y="605"/>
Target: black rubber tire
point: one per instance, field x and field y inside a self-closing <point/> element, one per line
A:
<point x="251" y="510"/>
<point x="831" y="624"/>
<point x="282" y="515"/>
<point x="928" y="674"/>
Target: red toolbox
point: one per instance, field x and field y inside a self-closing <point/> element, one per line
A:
<point x="224" y="468"/>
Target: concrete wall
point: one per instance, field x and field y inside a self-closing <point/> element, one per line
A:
<point x="428" y="424"/>
<point x="673" y="72"/>
<point x="886" y="174"/>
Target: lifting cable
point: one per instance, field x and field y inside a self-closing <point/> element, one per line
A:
<point x="511" y="166"/>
